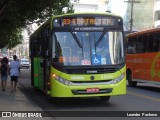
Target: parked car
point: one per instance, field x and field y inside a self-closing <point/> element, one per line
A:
<point x="24" y="63"/>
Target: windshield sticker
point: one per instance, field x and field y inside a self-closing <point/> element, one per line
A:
<point x="86" y="62"/>
<point x="96" y="59"/>
<point x="103" y="60"/>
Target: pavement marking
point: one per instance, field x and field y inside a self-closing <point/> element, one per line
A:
<point x="144" y="96"/>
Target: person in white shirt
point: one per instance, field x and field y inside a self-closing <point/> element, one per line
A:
<point x="14" y="72"/>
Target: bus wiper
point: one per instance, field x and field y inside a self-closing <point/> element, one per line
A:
<point x="100" y="38"/>
<point x="77" y="40"/>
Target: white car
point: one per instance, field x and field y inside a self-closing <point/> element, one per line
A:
<point x="24" y="63"/>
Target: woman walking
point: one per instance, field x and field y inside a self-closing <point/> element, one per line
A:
<point x="4" y="72"/>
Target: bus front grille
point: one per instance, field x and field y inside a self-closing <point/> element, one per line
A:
<point x="98" y="71"/>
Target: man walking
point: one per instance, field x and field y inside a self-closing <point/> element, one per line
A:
<point x="14" y="72"/>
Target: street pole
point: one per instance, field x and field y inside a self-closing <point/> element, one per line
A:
<point x="132" y="3"/>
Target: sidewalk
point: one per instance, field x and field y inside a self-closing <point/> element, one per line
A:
<point x="16" y="101"/>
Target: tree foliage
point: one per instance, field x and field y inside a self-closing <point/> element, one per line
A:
<point x="17" y="14"/>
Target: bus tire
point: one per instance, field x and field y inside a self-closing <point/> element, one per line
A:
<point x="130" y="82"/>
<point x="105" y="98"/>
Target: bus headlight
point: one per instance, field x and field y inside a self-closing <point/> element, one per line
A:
<point x="118" y="79"/>
<point x="62" y="80"/>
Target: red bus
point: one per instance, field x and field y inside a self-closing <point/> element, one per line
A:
<point x="143" y="57"/>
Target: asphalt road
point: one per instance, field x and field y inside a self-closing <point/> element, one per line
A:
<point x="144" y="97"/>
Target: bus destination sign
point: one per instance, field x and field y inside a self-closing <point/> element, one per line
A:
<point x="85" y="21"/>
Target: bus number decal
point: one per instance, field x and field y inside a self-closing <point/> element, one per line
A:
<point x="73" y="59"/>
<point x="77" y="77"/>
<point x="68" y="59"/>
<point x="106" y="76"/>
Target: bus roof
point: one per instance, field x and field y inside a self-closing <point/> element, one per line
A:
<point x="39" y="28"/>
<point x="144" y="32"/>
<point x="89" y="13"/>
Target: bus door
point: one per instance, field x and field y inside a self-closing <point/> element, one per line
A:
<point x="37" y="62"/>
<point x="35" y="48"/>
<point x="44" y="68"/>
<point x="40" y="62"/>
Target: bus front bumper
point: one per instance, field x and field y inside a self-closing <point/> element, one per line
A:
<point x="58" y="89"/>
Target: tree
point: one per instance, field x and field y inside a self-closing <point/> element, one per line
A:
<point x="15" y="15"/>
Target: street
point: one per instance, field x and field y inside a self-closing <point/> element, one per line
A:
<point x="141" y="98"/>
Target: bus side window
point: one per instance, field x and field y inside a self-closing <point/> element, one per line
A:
<point x="131" y="46"/>
<point x="36" y="47"/>
<point x="150" y="43"/>
<point x="156" y="43"/>
<point x="159" y="40"/>
<point x="141" y="45"/>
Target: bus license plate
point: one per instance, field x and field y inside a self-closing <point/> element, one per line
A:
<point x="92" y="90"/>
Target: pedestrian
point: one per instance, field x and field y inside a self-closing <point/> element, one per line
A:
<point x="14" y="69"/>
<point x="4" y="72"/>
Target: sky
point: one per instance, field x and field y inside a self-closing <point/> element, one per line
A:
<point x="118" y="7"/>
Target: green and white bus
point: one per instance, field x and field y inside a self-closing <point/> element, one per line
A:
<point x="79" y="55"/>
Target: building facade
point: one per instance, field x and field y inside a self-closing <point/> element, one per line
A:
<point x="89" y="5"/>
<point x="143" y="15"/>
<point x="157" y="13"/>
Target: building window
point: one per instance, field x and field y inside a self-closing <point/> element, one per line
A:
<point x="157" y="15"/>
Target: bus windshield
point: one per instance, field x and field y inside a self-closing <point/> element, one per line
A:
<point x="88" y="48"/>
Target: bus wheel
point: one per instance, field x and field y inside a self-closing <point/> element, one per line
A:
<point x="130" y="82"/>
<point x="105" y="98"/>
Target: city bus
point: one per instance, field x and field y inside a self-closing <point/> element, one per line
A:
<point x="143" y="57"/>
<point x="79" y="55"/>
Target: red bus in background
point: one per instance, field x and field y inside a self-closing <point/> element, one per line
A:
<point x="143" y="57"/>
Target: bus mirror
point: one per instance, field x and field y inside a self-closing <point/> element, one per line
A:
<point x="123" y="59"/>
